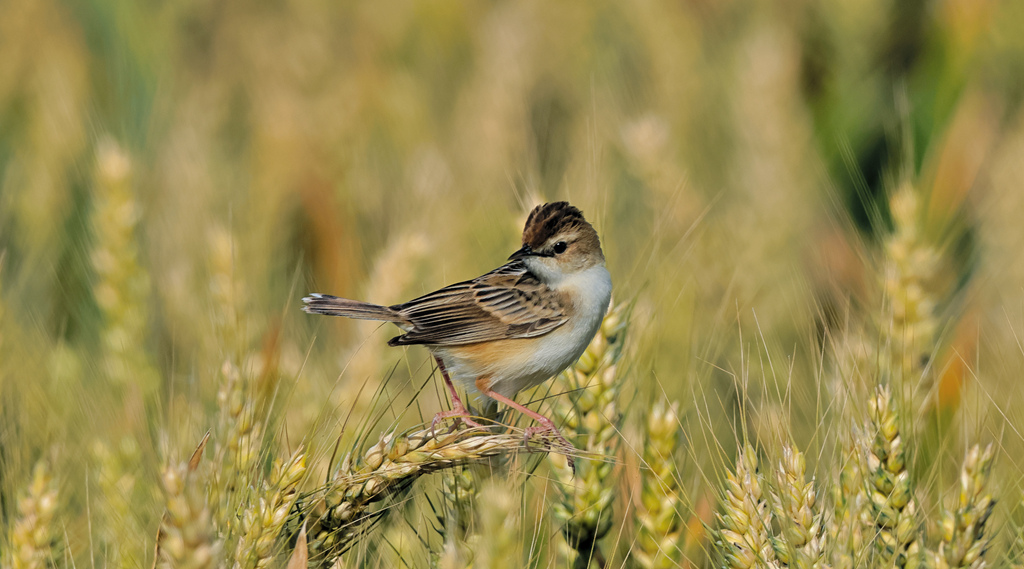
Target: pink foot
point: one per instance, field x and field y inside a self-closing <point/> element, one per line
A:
<point x="547" y="426"/>
<point x="459" y="413"/>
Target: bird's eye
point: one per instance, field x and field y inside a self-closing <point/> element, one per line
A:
<point x="559" y="247"/>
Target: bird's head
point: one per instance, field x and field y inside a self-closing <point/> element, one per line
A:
<point x="558" y="242"/>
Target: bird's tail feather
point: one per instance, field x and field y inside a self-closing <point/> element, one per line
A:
<point x="335" y="306"/>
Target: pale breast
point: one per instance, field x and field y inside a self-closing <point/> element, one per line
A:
<point x="512" y="365"/>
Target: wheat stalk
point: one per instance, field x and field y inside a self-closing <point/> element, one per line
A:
<point x="228" y="292"/>
<point x="118" y="484"/>
<point x="497" y="544"/>
<point x="590" y="417"/>
<point x="802" y="540"/>
<point x="263" y="521"/>
<point x="187" y="538"/>
<point x="910" y="326"/>
<point x="121" y="290"/>
<point x="745" y="517"/>
<point x="389" y="466"/>
<point x="1015" y="547"/>
<point x="237" y="449"/>
<point x="660" y="526"/>
<point x="887" y="483"/>
<point x="962" y="542"/>
<point x="122" y="286"/>
<point x="460" y="493"/>
<point x="31" y="535"/>
<point x="846" y="530"/>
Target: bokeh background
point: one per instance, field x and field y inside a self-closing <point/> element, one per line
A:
<point x="175" y="175"/>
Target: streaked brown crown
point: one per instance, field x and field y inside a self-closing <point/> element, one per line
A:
<point x="549" y="219"/>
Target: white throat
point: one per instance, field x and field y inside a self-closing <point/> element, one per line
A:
<point x="592" y="294"/>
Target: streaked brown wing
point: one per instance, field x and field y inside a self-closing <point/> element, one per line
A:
<point x="508" y="302"/>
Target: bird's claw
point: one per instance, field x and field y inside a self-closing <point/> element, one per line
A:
<point x="459" y="413"/>
<point x="549" y="427"/>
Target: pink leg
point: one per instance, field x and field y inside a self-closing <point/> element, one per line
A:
<point x="458" y="411"/>
<point x="547" y="424"/>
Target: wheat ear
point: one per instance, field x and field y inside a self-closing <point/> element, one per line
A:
<point x="846" y="530"/>
<point x="263" y="521"/>
<point x="31" y="537"/>
<point x="963" y="542"/>
<point x="187" y="539"/>
<point x="660" y="524"/>
<point x="745" y="517"/>
<point x="342" y="509"/>
<point x="887" y="483"/>
<point x="590" y="416"/>
<point x="802" y="541"/>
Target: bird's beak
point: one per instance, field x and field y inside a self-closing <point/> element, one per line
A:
<point x="522" y="253"/>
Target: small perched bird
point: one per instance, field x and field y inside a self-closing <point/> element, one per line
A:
<point x="512" y="328"/>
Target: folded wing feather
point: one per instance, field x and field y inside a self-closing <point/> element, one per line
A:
<point x="508" y="302"/>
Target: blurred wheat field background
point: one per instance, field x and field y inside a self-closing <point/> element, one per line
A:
<point x="811" y="212"/>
